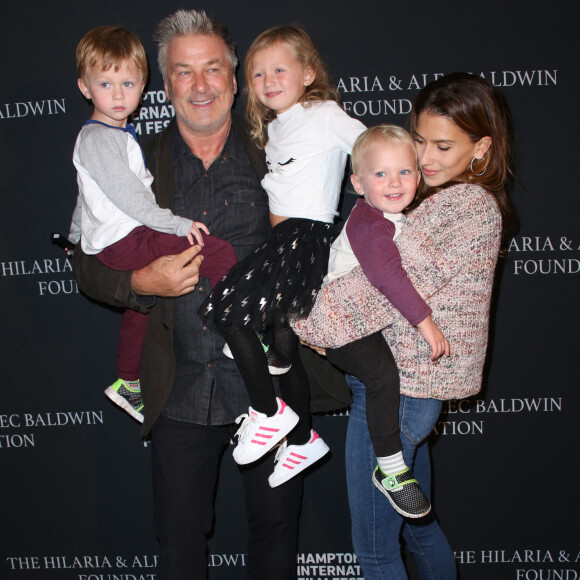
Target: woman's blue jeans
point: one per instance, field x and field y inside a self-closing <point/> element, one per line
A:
<point x="376" y="527"/>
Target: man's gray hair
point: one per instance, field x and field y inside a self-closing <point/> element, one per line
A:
<point x="188" y="23"/>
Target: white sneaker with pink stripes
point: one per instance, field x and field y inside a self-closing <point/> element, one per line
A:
<point x="292" y="459"/>
<point x="259" y="433"/>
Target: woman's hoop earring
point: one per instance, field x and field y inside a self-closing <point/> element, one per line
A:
<point x="471" y="167"/>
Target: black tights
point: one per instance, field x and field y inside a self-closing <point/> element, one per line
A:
<point x="253" y="366"/>
<point x="371" y="361"/>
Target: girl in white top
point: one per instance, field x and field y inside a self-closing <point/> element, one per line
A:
<point x="293" y="112"/>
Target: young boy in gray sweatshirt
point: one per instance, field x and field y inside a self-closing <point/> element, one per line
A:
<point x="116" y="217"/>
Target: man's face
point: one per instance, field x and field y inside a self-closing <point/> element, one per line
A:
<point x="200" y="83"/>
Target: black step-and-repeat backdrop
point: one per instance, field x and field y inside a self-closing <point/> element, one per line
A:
<point x="75" y="493"/>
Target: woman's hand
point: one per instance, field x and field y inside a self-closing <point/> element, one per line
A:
<point x="321" y="351"/>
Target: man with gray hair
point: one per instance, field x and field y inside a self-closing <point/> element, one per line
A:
<point x="207" y="169"/>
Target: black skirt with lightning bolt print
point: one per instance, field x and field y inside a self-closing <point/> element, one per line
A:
<point x="280" y="277"/>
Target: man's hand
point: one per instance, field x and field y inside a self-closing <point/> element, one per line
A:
<point x="169" y="276"/>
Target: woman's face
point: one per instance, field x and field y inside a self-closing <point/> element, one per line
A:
<point x="444" y="150"/>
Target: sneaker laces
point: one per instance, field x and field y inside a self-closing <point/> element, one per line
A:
<point x="281" y="451"/>
<point x="245" y="421"/>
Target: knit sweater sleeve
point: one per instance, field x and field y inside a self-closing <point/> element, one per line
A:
<point x="371" y="238"/>
<point x="456" y="228"/>
<point x="445" y="233"/>
<point x="103" y="153"/>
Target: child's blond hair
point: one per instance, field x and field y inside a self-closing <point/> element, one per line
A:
<point x="379" y="133"/>
<point x="304" y="51"/>
<point x="109" y="46"/>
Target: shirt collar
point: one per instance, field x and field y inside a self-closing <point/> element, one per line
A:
<point x="398" y="219"/>
<point x="127" y="129"/>
<point x="233" y="148"/>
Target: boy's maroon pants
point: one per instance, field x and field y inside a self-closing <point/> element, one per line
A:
<point x="138" y="249"/>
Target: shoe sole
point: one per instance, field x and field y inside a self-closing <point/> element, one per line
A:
<point x="302" y="467"/>
<point x="267" y="447"/>
<point x="395" y="506"/>
<point x="122" y="402"/>
<point x="275" y="371"/>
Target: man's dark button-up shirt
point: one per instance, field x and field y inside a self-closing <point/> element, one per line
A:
<point x="228" y="198"/>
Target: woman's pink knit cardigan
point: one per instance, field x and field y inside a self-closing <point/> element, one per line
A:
<point x="449" y="249"/>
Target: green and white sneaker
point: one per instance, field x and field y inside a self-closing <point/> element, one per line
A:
<point x="403" y="491"/>
<point x="127" y="394"/>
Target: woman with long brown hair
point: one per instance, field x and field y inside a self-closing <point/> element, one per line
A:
<point x="449" y="248"/>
